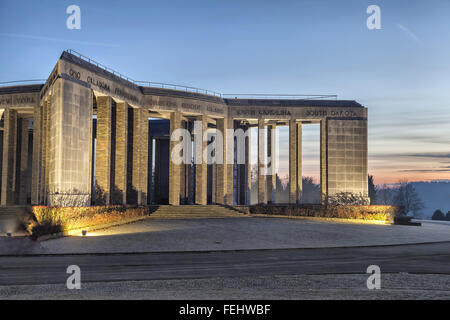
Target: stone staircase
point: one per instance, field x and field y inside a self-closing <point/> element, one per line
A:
<point x="193" y="212"/>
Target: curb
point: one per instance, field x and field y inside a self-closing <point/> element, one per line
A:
<point x="216" y="251"/>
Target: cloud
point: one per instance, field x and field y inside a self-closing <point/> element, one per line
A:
<point x="409" y="33"/>
<point x="426" y="170"/>
<point x="430" y="155"/>
<point x="27" y="36"/>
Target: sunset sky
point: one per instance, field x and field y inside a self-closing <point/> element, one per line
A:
<point x="401" y="72"/>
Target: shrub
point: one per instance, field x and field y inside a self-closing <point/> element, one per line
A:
<point x="363" y="212"/>
<point x="49" y="220"/>
<point x="447" y="217"/>
<point x="438" y="215"/>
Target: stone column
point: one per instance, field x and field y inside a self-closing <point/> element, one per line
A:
<point x="24" y="170"/>
<point x="43" y="148"/>
<point x="140" y="155"/>
<point x="45" y="151"/>
<point x="150" y="188"/>
<point x="229" y="161"/>
<point x="261" y="163"/>
<point x="323" y="161"/>
<point x="271" y="153"/>
<point x="49" y="160"/>
<point x="121" y="152"/>
<point x="103" y="152"/>
<point x="71" y="144"/>
<point x="248" y="167"/>
<point x="224" y="169"/>
<point x="184" y="170"/>
<point x="9" y="156"/>
<point x="174" y="169"/>
<point x="143" y="141"/>
<point x="293" y="134"/>
<point x="36" y="168"/>
<point x="299" y="163"/>
<point x="201" y="168"/>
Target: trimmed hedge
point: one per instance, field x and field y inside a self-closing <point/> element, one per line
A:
<point x="50" y="220"/>
<point x="363" y="212"/>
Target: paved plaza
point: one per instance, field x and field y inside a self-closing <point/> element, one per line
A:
<point x="244" y="233"/>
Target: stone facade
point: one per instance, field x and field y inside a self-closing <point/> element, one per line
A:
<point x="84" y="137"/>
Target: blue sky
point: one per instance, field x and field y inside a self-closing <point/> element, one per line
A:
<point x="401" y="72"/>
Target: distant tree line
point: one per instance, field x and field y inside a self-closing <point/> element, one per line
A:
<point x="439" y="215"/>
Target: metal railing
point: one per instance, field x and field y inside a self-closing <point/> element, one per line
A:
<point x="99" y="65"/>
<point x="180" y="88"/>
<point x="281" y="96"/>
<point x="149" y="83"/>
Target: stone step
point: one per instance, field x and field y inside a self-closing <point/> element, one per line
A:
<point x="194" y="211"/>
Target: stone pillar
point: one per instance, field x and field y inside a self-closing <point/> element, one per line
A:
<point x="201" y="167"/>
<point x="225" y="160"/>
<point x="150" y="188"/>
<point x="248" y="167"/>
<point x="184" y="188"/>
<point x="143" y="142"/>
<point x="261" y="163"/>
<point x="45" y="149"/>
<point x="24" y="170"/>
<point x="229" y="161"/>
<point x="293" y="134"/>
<point x="140" y="155"/>
<point x="346" y="158"/>
<point x="323" y="161"/>
<point x="103" y="152"/>
<point x="9" y="156"/>
<point x="71" y="144"/>
<point x="121" y="152"/>
<point x="271" y="153"/>
<point x="36" y="167"/>
<point x="174" y="169"/>
<point x="299" y="163"/>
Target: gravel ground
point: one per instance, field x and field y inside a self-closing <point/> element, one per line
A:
<point x="343" y="286"/>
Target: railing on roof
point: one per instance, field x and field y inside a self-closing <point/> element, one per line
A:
<point x="148" y="83"/>
<point x="281" y="96"/>
<point x="179" y="87"/>
<point x="99" y="65"/>
<point x="22" y="82"/>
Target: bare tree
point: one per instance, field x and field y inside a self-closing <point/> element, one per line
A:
<point x="407" y="197"/>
